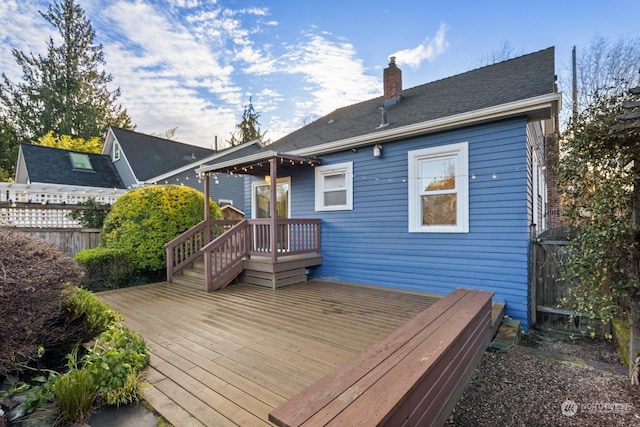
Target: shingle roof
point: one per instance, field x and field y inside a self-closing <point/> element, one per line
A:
<point x="516" y="79"/>
<point x="53" y="165"/>
<point x="150" y="156"/>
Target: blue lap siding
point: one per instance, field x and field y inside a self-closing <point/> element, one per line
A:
<point x="371" y="243"/>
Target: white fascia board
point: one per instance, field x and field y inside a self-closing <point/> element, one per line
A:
<point x="551" y="101"/>
<point x="200" y="162"/>
<point x="263" y="155"/>
<point x="108" y="142"/>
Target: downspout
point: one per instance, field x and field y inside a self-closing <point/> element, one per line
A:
<point x="273" y="205"/>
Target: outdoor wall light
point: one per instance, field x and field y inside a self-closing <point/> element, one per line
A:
<point x="377" y="150"/>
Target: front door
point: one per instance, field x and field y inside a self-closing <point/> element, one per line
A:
<point x="261" y="206"/>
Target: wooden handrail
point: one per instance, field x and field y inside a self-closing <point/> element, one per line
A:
<point x="224" y="256"/>
<point x="185" y="248"/>
<point x="224" y="253"/>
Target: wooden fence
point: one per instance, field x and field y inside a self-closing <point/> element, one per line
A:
<point x="70" y="240"/>
<point x="548" y="290"/>
<point x="51" y="223"/>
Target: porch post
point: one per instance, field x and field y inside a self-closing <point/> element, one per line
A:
<point x="273" y="208"/>
<point x="207" y="218"/>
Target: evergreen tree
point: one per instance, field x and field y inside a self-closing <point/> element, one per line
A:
<point x="65" y="91"/>
<point x="8" y="150"/>
<point x="249" y="128"/>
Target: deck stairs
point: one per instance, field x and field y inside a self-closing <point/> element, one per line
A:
<point x="192" y="276"/>
<point x="242" y="251"/>
<point x="260" y="271"/>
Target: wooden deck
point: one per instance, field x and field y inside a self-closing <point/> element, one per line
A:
<point x="230" y="357"/>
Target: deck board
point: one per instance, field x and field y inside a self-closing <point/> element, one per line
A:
<point x="229" y="357"/>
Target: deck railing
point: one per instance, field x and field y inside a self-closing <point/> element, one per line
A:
<point x="223" y="257"/>
<point x="185" y="248"/>
<point x="294" y="236"/>
<point x="224" y="253"/>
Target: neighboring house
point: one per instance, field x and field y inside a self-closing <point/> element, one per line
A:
<point x="426" y="189"/>
<point x="148" y="160"/>
<point x="47" y="165"/>
<point x="128" y="160"/>
<point x="54" y="176"/>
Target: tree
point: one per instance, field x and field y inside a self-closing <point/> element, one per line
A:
<point x="167" y="134"/>
<point x="67" y="142"/>
<point x="606" y="68"/>
<point x="249" y="128"/>
<point x="600" y="179"/>
<point x="309" y="118"/>
<point x="597" y="178"/>
<point x="504" y="52"/>
<point x="8" y="150"/>
<point x="66" y="91"/>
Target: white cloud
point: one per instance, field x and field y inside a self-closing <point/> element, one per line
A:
<point x="194" y="65"/>
<point x="21" y="28"/>
<point x="168" y="77"/>
<point x="336" y="76"/>
<point x="427" y="50"/>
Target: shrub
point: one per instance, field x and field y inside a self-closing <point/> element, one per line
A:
<point x="106" y="268"/>
<point x="97" y="315"/>
<point x="115" y="361"/>
<point x="142" y="221"/>
<point x="31" y="302"/>
<point x="75" y="392"/>
<point x="109" y="371"/>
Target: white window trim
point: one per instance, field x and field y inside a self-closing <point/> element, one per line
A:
<point x="338" y="168"/>
<point x="284" y="180"/>
<point x="461" y="152"/>
<point x="116" y="151"/>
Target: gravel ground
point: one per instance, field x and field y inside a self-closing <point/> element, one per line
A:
<point x="550" y="380"/>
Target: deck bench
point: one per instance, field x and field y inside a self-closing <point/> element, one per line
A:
<point x="412" y="377"/>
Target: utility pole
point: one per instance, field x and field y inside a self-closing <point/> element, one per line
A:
<point x="574" y="84"/>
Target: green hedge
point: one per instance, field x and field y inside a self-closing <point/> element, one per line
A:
<point x="143" y="220"/>
<point x="105" y="268"/>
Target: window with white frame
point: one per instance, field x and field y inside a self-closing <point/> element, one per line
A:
<point x="439" y="189"/>
<point x="116" y="151"/>
<point x="334" y="187"/>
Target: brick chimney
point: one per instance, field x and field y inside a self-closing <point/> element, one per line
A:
<point x="392" y="80"/>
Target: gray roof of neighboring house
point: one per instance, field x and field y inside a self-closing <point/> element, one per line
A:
<point x="151" y="156"/>
<point x="513" y="80"/>
<point x="53" y="165"/>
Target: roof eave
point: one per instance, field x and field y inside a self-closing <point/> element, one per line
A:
<point x="193" y="166"/>
<point x="256" y="164"/>
<point x="256" y="157"/>
<point x="548" y="105"/>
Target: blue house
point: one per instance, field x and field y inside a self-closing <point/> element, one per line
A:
<point x="426" y="189"/>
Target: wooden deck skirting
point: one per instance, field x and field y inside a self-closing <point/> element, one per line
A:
<point x="231" y="357"/>
<point x="412" y="377"/>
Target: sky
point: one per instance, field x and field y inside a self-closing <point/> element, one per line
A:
<point x="195" y="64"/>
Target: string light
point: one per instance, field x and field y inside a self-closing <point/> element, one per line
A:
<point x="390" y="179"/>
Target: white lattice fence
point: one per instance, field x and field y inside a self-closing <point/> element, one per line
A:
<point x="48" y="206"/>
